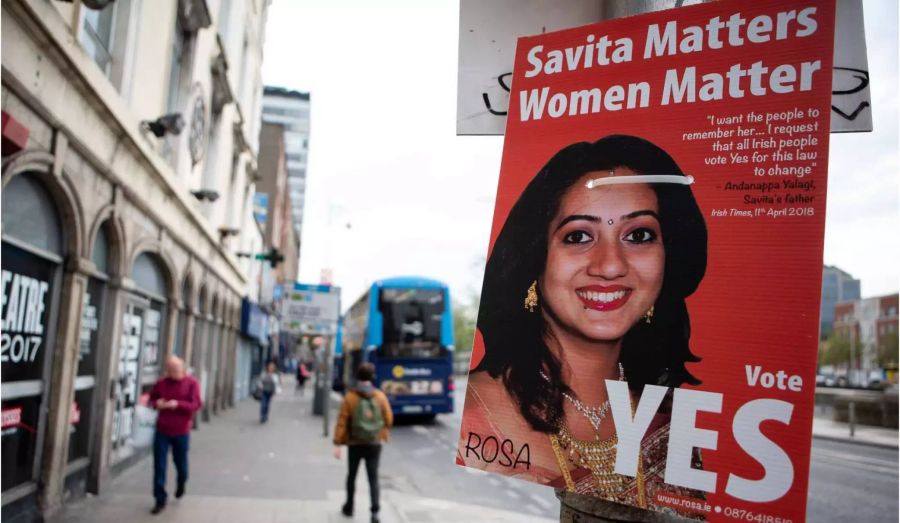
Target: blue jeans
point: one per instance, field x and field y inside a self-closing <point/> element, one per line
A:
<point x="264" y="402"/>
<point x="161" y="444"/>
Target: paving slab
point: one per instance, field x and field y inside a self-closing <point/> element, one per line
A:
<point x="280" y="471"/>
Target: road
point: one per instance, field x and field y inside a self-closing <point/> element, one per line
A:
<point x="422" y="461"/>
<point x="852" y="482"/>
<point x="849" y="482"/>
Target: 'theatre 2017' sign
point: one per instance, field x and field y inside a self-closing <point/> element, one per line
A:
<point x="649" y="318"/>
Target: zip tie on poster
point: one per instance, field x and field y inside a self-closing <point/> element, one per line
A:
<point x="640" y="178"/>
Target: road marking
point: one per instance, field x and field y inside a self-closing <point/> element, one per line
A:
<point x="419" y="429"/>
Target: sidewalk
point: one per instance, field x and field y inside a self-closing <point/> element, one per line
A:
<point x="283" y="471"/>
<point x="864" y="434"/>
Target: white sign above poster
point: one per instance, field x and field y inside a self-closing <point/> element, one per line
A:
<point x="487" y="46"/>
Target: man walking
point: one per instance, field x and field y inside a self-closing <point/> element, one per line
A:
<point x="363" y="425"/>
<point x="176" y="397"/>
<point x="269" y="384"/>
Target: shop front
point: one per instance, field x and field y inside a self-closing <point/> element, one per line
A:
<point x="32" y="256"/>
<point x="83" y="416"/>
<point x="139" y="356"/>
<point x="252" y="347"/>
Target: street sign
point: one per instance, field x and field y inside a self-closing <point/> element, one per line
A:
<point x="311" y="309"/>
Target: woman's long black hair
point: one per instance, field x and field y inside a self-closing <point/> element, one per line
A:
<point x="653" y="353"/>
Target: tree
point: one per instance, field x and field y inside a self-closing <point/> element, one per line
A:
<point x="887" y="356"/>
<point x="464" y="325"/>
<point x="835" y="350"/>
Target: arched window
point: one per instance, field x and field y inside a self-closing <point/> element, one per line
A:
<point x="30" y="216"/>
<point x="92" y="320"/>
<point x="148" y="275"/>
<point x="100" y="254"/>
<point x="33" y="249"/>
<point x="184" y="310"/>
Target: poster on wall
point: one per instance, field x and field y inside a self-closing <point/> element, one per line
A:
<point x="27" y="299"/>
<point x="648" y="325"/>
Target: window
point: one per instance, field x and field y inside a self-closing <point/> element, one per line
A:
<point x="224" y="19"/>
<point x="412" y="322"/>
<point x="177" y="65"/>
<point x="96" y="35"/>
<point x="299" y="158"/>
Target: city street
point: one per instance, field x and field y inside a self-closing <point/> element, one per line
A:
<point x="284" y="471"/>
<point x="852" y="482"/>
<point x="420" y="454"/>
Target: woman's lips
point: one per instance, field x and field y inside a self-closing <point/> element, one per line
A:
<point x="600" y="298"/>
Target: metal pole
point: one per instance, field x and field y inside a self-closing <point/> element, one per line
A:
<point x="850" y="373"/>
<point x="852" y="418"/>
<point x="327" y="385"/>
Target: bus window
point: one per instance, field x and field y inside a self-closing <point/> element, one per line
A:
<point x="412" y="323"/>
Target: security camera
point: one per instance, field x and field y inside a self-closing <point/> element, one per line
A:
<point x="167" y="124"/>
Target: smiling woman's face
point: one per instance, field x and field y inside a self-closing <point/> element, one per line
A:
<point x="605" y="258"/>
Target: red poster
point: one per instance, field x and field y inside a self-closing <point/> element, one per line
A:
<point x="649" y="318"/>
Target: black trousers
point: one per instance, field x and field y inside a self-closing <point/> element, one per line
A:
<point x="371" y="454"/>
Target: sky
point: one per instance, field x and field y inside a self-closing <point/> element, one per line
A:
<point x="392" y="190"/>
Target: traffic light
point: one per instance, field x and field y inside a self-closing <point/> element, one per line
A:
<point x="275" y="257"/>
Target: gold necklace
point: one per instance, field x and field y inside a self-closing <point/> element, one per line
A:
<point x="598" y="457"/>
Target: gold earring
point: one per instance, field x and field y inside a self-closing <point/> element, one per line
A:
<point x="648" y="316"/>
<point x="531" y="298"/>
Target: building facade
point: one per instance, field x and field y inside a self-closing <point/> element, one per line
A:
<point x="837" y="287"/>
<point x="291" y="110"/>
<point x="278" y="228"/>
<point x="129" y="162"/>
<point x="870" y="325"/>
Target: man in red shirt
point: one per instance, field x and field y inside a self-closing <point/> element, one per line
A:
<point x="176" y="397"/>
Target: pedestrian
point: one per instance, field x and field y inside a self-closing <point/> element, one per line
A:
<point x="268" y="384"/>
<point x="363" y="425"/>
<point x="302" y="376"/>
<point x="176" y="397"/>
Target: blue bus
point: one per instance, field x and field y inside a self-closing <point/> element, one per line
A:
<point x="404" y="326"/>
<point x="337" y="368"/>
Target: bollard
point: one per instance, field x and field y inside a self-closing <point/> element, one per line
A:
<point x="576" y="508"/>
<point x="852" y="418"/>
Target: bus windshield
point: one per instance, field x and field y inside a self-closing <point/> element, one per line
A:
<point x="412" y="322"/>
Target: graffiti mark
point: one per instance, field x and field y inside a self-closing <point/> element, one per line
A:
<point x="487" y="101"/>
<point x="852" y="116"/>
<point x="850" y="81"/>
<point x="861" y="76"/>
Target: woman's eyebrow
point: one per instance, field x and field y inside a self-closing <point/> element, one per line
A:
<point x="635" y="214"/>
<point x="573" y="217"/>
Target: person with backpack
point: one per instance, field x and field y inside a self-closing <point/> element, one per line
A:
<point x="363" y="424"/>
<point x="268" y="384"/>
